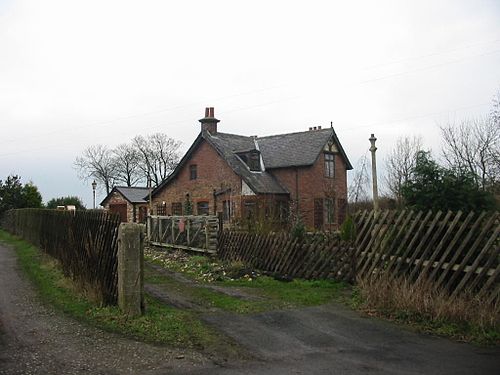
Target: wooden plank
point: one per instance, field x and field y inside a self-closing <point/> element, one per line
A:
<point x="291" y="243"/>
<point x="363" y="260"/>
<point x="451" y="246"/>
<point x="463" y="245"/>
<point x="398" y="242"/>
<point x="186" y="248"/>
<point x="450" y="228"/>
<point x="490" y="283"/>
<point x="414" y="238"/>
<point x="389" y="229"/>
<point x="435" y="231"/>
<point x="478" y="259"/>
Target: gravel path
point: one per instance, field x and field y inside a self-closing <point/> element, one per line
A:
<point x="36" y="340"/>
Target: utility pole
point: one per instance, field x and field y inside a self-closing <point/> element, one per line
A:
<point x="372" y="140"/>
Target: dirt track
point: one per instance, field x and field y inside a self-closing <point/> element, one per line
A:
<point x="37" y="340"/>
<point x="320" y="340"/>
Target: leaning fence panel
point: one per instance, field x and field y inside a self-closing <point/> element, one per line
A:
<point x="84" y="242"/>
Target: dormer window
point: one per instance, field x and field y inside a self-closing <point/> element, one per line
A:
<point x="254" y="161"/>
<point x="251" y="159"/>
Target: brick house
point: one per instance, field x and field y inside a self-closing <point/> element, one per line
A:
<point x="297" y="174"/>
<point x="130" y="202"/>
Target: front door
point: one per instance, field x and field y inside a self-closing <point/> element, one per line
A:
<point x="318" y="213"/>
<point x="120" y="209"/>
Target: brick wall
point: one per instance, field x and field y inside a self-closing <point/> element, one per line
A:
<point x="212" y="173"/>
<point x="312" y="184"/>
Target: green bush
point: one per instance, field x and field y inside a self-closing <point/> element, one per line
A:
<point x="348" y="230"/>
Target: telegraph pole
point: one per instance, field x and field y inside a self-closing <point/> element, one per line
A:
<point x="372" y="140"/>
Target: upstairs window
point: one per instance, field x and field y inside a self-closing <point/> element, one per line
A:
<point x="329" y="165"/>
<point x="193" y="172"/>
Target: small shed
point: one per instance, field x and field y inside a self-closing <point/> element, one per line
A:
<point x="130" y="202"/>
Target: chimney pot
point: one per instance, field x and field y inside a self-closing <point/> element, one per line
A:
<point x="319" y="127"/>
<point x="209" y="122"/>
<point x="310" y="128"/>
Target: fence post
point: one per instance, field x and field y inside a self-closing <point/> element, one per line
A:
<point x="131" y="268"/>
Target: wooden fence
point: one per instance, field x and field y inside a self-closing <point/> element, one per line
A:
<point x="310" y="258"/>
<point x="85" y="242"/>
<point x="195" y="233"/>
<point x="456" y="251"/>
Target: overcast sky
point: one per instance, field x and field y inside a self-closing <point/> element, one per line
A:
<point x="77" y="73"/>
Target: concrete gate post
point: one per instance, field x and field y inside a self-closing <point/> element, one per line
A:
<point x="131" y="268"/>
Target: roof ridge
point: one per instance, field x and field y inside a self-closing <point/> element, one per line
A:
<point x="293" y="133"/>
<point x="131" y="187"/>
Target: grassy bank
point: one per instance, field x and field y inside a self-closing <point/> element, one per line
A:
<point x="160" y="324"/>
<point x="269" y="293"/>
<point x="428" y="309"/>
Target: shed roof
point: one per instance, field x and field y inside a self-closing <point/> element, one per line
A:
<point x="134" y="194"/>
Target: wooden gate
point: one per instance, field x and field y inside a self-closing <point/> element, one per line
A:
<point x="195" y="233"/>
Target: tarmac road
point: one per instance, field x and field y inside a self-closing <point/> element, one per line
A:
<point x="328" y="339"/>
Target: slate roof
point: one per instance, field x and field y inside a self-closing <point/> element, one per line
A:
<point x="297" y="149"/>
<point x="277" y="151"/>
<point x="132" y="194"/>
<point x="228" y="145"/>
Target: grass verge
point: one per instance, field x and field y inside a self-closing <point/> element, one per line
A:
<point x="428" y="309"/>
<point x="160" y="324"/>
<point x="210" y="276"/>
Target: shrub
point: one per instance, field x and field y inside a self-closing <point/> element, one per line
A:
<point x="348" y="230"/>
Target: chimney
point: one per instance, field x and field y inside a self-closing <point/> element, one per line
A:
<point x="209" y="122"/>
<point x="319" y="127"/>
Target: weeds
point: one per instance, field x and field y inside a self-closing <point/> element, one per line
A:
<point x="465" y="316"/>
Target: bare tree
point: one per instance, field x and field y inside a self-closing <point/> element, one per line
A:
<point x="495" y="111"/>
<point x="159" y="155"/>
<point x="126" y="160"/>
<point x="359" y="186"/>
<point x="400" y="163"/>
<point x="474" y="146"/>
<point x="96" y="162"/>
